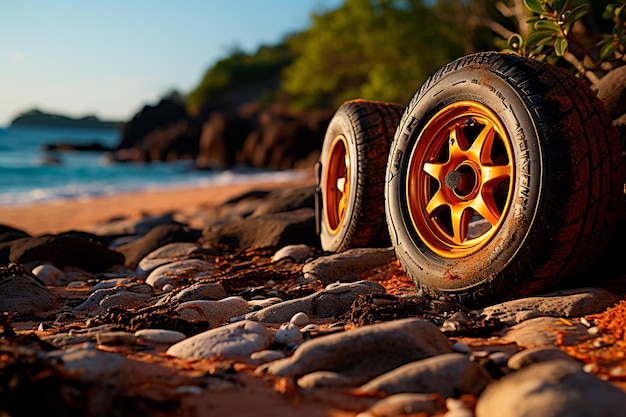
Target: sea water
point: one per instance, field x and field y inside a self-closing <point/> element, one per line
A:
<point x="29" y="175"/>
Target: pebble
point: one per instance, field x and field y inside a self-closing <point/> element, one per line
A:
<point x="300" y="319"/>
<point x="448" y="374"/>
<point x="23" y="294"/>
<point x="288" y="334"/>
<point x="401" y="404"/>
<point x="528" y="357"/>
<point x="48" y="274"/>
<point x="567" y="304"/>
<point x="160" y="336"/>
<point x="196" y="291"/>
<point x="213" y="312"/>
<point x="297" y="253"/>
<point x="326" y="379"/>
<point x="232" y="341"/>
<point x="174" y="271"/>
<point x="264" y="356"/>
<point x="333" y="301"/>
<point x="366" y="351"/>
<point x="551" y="389"/>
<point x="545" y="331"/>
<point x="347" y="266"/>
<point x="168" y="253"/>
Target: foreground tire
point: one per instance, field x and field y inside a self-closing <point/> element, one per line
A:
<point x="351" y="181"/>
<point x="504" y="178"/>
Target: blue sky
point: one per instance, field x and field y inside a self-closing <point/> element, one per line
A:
<point x="110" y="58"/>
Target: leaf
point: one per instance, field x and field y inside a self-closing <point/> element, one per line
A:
<point x="560" y="46"/>
<point x="515" y="41"/>
<point x="607" y="50"/>
<point x="545" y="24"/>
<point x="559" y="5"/>
<point x="540" y="37"/>
<point x="534" y="6"/>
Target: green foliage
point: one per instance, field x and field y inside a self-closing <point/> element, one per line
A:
<point x="371" y="49"/>
<point x="239" y="69"/>
<point x="552" y="36"/>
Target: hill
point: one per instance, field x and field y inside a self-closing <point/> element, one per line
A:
<point x="36" y="117"/>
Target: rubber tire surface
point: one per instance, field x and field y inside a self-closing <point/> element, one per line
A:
<point x="368" y="127"/>
<point x="567" y="184"/>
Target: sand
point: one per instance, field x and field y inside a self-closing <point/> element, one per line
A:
<point x="61" y="216"/>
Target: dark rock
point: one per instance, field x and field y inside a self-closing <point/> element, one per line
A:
<point x="65" y="250"/>
<point x="267" y="230"/>
<point x="223" y="134"/>
<point x="286" y="199"/>
<point x="159" y="236"/>
<point x="164" y="114"/>
<point x="8" y="233"/>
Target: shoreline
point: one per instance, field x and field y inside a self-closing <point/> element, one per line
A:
<point x="83" y="213"/>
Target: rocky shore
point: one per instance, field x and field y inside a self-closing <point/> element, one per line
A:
<point x="235" y="310"/>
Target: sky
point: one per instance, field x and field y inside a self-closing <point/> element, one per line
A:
<point x="110" y="58"/>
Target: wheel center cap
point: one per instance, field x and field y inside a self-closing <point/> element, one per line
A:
<point x="462" y="181"/>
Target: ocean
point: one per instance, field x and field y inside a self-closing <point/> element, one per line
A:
<point x="30" y="175"/>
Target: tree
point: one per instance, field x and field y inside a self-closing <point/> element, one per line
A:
<point x="371" y="49"/>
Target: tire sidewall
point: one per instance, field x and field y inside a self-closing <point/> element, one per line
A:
<point x="339" y="125"/>
<point x="478" y="84"/>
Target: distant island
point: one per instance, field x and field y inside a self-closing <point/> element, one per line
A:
<point x="36" y="117"/>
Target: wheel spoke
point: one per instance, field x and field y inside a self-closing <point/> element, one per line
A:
<point x="461" y="216"/>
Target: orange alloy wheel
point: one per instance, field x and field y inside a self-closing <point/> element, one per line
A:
<point x="460" y="178"/>
<point x="337" y="184"/>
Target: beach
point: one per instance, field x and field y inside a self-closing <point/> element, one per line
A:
<point x="82" y="214"/>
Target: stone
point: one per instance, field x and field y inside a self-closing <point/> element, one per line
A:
<point x="92" y="365"/>
<point x="288" y="334"/>
<point x="23" y="294"/>
<point x="213" y="312"/>
<point x="545" y="331"/>
<point x="401" y="404"/>
<point x="528" y="357"/>
<point x="264" y="356"/>
<point x="300" y="319"/>
<point x="162" y="336"/>
<point x="233" y="341"/>
<point x="567" y="303"/>
<point x="48" y="274"/>
<point x="333" y="301"/>
<point x="347" y="266"/>
<point x="175" y="271"/>
<point x="296" y="253"/>
<point x="65" y="250"/>
<point x="448" y="375"/>
<point x="326" y="379"/>
<point x="551" y="389"/>
<point x="196" y="291"/>
<point x="171" y="252"/>
<point x="158" y="236"/>
<point x="366" y="351"/>
<point x="120" y="297"/>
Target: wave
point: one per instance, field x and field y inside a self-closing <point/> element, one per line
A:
<point x="100" y="189"/>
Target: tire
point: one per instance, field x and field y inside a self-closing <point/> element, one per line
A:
<point x="505" y="178"/>
<point x="350" y="209"/>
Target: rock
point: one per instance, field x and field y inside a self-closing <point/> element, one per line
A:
<point x="568" y="303"/>
<point x="131" y="227"/>
<point x="326" y="379"/>
<point x="213" y="312"/>
<point x="612" y="91"/>
<point x="233" y="341"/>
<point x="171" y="252"/>
<point x="63" y="251"/>
<point x="196" y="291"/>
<point x="335" y="300"/>
<point x="528" y="357"/>
<point x="449" y="374"/>
<point x="401" y="404"/>
<point x="267" y="230"/>
<point x="163" y="336"/>
<point x="117" y="297"/>
<point x="159" y="236"/>
<point x="300" y="319"/>
<point x="551" y="389"/>
<point x="346" y="266"/>
<point x="264" y="356"/>
<point x="116" y="338"/>
<point x="283" y="200"/>
<point x="366" y="351"/>
<point x="23" y="294"/>
<point x="176" y="271"/>
<point x="297" y="253"/>
<point x="48" y="274"/>
<point x="91" y="365"/>
<point x="288" y="334"/>
<point x="545" y="331"/>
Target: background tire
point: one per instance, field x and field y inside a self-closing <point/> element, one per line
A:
<point x="505" y="178"/>
<point x="351" y="179"/>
